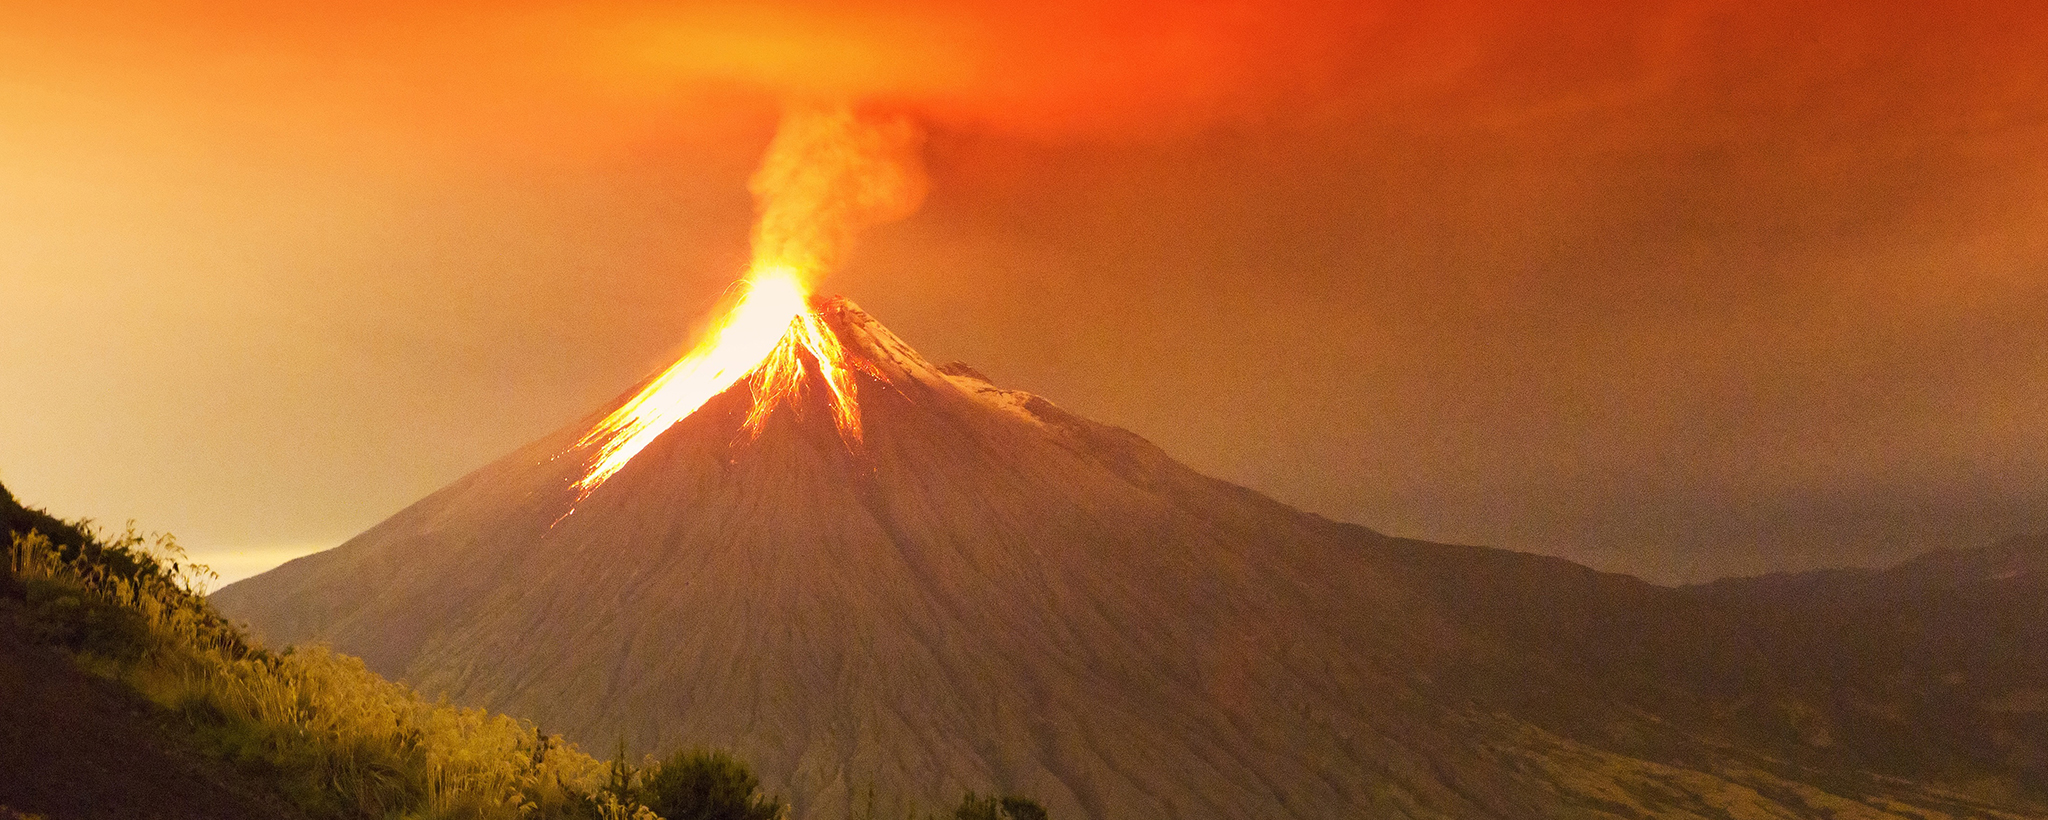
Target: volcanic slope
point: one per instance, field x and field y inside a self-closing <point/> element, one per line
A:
<point x="989" y="593"/>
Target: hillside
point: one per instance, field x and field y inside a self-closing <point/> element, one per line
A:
<point x="1911" y="673"/>
<point x="1937" y="667"/>
<point x="75" y="745"/>
<point x="991" y="593"/>
<point x="126" y="696"/>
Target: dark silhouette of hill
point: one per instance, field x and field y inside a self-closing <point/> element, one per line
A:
<point x="18" y="518"/>
<point x="993" y="593"/>
<point x="77" y="746"/>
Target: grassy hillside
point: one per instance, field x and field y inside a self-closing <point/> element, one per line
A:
<point x="130" y="696"/>
<point x="312" y="728"/>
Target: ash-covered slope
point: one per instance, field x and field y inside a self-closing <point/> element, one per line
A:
<point x="993" y="594"/>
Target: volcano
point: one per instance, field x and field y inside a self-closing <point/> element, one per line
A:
<point x="978" y="590"/>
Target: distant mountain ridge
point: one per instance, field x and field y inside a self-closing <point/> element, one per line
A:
<point x="996" y="594"/>
<point x="1932" y="667"/>
<point x="2020" y="560"/>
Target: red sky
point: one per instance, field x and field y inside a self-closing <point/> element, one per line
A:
<point x="1683" y="289"/>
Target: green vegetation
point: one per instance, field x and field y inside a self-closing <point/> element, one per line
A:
<point x="1007" y="807"/>
<point x="337" y="740"/>
<point x="972" y="807"/>
<point x="704" y="785"/>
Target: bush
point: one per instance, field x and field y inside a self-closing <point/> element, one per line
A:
<point x="1007" y="807"/>
<point x="706" y="785"/>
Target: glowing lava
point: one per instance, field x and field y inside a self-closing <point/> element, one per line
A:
<point x="828" y="173"/>
<point x="766" y="339"/>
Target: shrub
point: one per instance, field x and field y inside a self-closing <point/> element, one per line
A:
<point x="706" y="785"/>
<point x="1007" y="807"/>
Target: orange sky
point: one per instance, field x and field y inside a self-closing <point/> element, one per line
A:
<point x="1682" y="289"/>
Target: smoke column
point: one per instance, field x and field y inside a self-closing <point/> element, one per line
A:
<point x="828" y="174"/>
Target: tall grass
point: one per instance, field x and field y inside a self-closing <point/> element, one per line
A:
<point x="340" y="741"/>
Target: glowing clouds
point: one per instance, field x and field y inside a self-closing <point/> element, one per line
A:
<point x="828" y="174"/>
<point x="799" y="50"/>
<point x="1051" y="68"/>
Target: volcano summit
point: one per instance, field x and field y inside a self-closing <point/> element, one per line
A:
<point x="982" y="591"/>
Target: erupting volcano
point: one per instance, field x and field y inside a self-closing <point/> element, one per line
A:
<point x="872" y="575"/>
<point x="769" y="339"/>
<point x="973" y="589"/>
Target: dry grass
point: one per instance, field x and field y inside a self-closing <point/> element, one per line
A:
<point x="340" y="740"/>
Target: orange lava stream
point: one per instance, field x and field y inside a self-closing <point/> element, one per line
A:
<point x="781" y="376"/>
<point x="766" y="337"/>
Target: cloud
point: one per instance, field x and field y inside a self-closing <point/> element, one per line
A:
<point x="1051" y="69"/>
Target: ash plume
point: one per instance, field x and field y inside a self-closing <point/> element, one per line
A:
<point x="829" y="173"/>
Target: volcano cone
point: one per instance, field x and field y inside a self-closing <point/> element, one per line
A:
<point x="982" y="592"/>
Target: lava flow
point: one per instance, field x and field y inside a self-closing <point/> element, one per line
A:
<point x="765" y="339"/>
<point x="828" y="173"/>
